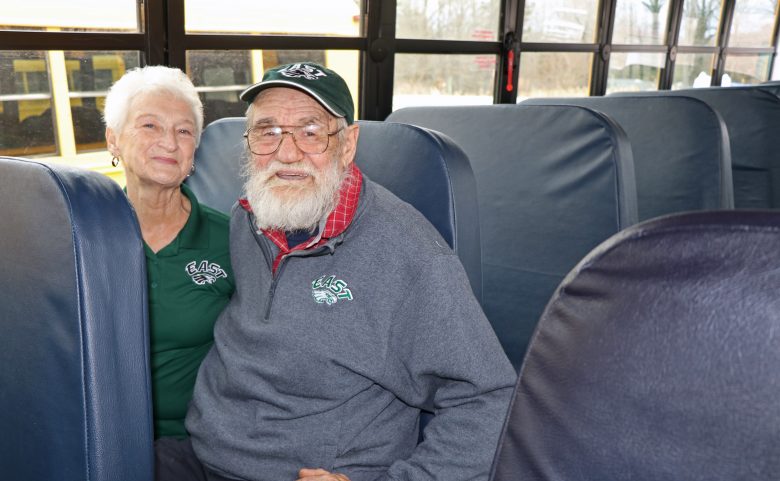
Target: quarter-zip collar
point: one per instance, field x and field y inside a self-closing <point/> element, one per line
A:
<point x="331" y="227"/>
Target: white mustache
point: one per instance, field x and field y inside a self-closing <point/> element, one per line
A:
<point x="275" y="167"/>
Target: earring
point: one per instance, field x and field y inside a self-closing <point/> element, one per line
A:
<point x="114" y="161"/>
<point x="192" y="169"/>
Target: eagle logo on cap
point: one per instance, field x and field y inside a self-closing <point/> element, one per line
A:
<point x="301" y="70"/>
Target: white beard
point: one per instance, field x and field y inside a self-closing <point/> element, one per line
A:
<point x="279" y="204"/>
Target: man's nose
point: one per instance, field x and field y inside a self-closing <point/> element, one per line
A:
<point x="288" y="150"/>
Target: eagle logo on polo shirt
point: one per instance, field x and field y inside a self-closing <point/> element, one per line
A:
<point x="204" y="272"/>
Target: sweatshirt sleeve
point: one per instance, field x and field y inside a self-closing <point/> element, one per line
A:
<point x="443" y="356"/>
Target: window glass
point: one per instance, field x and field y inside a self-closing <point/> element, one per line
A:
<point x="443" y="80"/>
<point x="745" y="69"/>
<point x="220" y="76"/>
<point x="692" y="70"/>
<point x="752" y="23"/>
<point x="634" y="71"/>
<point x="26" y="125"/>
<point x="700" y="22"/>
<point x="90" y="75"/>
<point x="640" y="22"/>
<point x="72" y="15"/>
<point x="568" y="21"/>
<point x="448" y="19"/>
<point x="307" y="17"/>
<point x="554" y="74"/>
<point x="775" y="71"/>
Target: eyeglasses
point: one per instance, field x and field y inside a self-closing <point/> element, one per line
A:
<point x="310" y="138"/>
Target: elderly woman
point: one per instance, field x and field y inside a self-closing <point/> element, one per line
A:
<point x="153" y="121"/>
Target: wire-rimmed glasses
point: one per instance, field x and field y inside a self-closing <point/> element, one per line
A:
<point x="310" y="138"/>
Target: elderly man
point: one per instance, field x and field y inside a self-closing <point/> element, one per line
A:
<point x="351" y="316"/>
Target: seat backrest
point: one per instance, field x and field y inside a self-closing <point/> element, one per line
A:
<point x="752" y="117"/>
<point x="422" y="167"/>
<point x="217" y="179"/>
<point x="681" y="150"/>
<point x="657" y="358"/>
<point x="773" y="87"/>
<point x="75" y="402"/>
<point x="429" y="171"/>
<point x="552" y="183"/>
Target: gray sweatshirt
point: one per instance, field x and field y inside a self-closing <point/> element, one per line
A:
<point x="328" y="363"/>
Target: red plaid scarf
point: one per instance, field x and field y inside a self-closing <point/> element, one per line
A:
<point x="337" y="221"/>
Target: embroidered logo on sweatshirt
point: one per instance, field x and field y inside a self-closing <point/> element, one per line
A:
<point x="204" y="272"/>
<point x="329" y="290"/>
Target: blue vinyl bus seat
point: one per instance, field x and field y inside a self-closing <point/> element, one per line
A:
<point x="681" y="150"/>
<point x="656" y="359"/>
<point x="75" y="400"/>
<point x="424" y="168"/>
<point x="552" y="183"/>
<point x="217" y="179"/>
<point x="752" y="117"/>
<point x="428" y="170"/>
<point x="772" y="86"/>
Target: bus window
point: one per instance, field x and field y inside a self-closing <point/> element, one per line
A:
<point x="554" y="74"/>
<point x="307" y="17"/>
<point x="443" y="80"/>
<point x="640" y="22"/>
<point x="74" y="16"/>
<point x="26" y="124"/>
<point x="634" y="71"/>
<point x="751" y="27"/>
<point x="220" y="76"/>
<point x="746" y="69"/>
<point x="699" y="26"/>
<point x="90" y="75"/>
<point x="692" y="70"/>
<point x="752" y="23"/>
<point x="572" y="21"/>
<point x="448" y="19"/>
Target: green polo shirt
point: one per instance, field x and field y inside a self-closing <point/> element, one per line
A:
<point x="190" y="281"/>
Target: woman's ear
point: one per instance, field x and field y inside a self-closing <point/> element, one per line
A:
<point x="111" y="144"/>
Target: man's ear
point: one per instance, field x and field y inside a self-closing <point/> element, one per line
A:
<point x="350" y="145"/>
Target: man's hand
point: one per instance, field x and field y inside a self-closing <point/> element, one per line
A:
<point x="307" y="474"/>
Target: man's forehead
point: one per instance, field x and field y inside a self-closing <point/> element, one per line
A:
<point x="287" y="100"/>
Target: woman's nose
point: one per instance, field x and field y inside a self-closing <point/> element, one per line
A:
<point x="168" y="139"/>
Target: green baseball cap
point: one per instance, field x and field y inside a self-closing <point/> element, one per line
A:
<point x="326" y="86"/>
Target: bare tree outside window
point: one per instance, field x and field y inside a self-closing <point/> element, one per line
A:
<point x="752" y="23"/>
<point x="655" y="6"/>
<point x="640" y="22"/>
<point x="469" y="77"/>
<point x="700" y="22"/>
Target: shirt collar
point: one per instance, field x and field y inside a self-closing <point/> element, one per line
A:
<point x="191" y="235"/>
<point x="332" y="226"/>
<point x="194" y="234"/>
